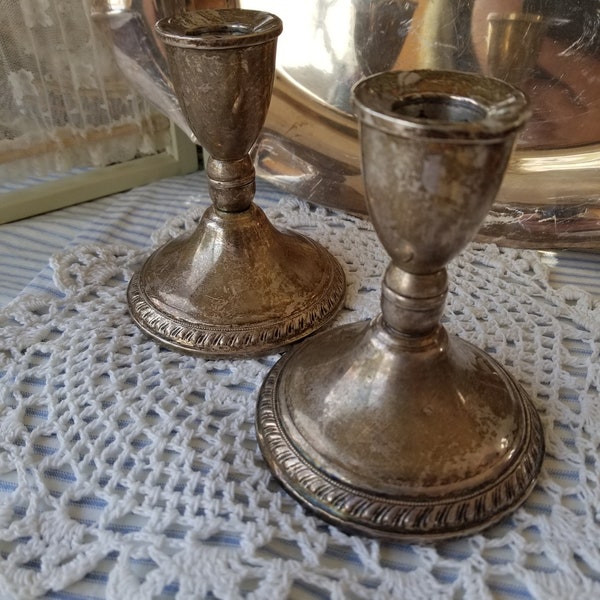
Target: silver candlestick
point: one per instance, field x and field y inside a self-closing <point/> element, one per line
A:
<point x="236" y="286"/>
<point x="394" y="427"/>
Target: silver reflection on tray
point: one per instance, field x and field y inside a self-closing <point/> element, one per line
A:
<point x="309" y="146"/>
<point x="236" y="286"/>
<point x="549" y="197"/>
<point x="395" y="428"/>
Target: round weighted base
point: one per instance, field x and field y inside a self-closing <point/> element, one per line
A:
<point x="391" y="436"/>
<point x="236" y="287"/>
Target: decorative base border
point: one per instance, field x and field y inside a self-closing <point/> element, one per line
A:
<point x="244" y="341"/>
<point x="364" y="511"/>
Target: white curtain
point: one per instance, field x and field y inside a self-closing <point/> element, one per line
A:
<point x="63" y="103"/>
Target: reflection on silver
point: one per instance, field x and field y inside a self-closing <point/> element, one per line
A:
<point x="310" y="144"/>
<point x="513" y="45"/>
<point x="550" y="194"/>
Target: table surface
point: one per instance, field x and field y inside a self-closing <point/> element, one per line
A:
<point x="129" y="219"/>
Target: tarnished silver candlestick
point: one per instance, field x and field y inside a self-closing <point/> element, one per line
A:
<point x="236" y="286"/>
<point x="394" y="427"/>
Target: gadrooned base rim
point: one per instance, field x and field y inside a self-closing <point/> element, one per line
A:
<point x="208" y="340"/>
<point x="368" y="512"/>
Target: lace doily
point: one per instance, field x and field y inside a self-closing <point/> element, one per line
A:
<point x="130" y="471"/>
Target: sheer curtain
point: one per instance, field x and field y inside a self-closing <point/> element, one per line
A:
<point x="63" y="103"/>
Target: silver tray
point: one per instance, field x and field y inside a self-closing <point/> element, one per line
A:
<point x="550" y="198"/>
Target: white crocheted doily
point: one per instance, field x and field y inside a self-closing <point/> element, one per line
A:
<point x="133" y="470"/>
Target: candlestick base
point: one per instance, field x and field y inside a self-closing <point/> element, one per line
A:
<point x="395" y="437"/>
<point x="236" y="287"/>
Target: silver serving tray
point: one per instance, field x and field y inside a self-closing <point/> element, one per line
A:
<point x="550" y="198"/>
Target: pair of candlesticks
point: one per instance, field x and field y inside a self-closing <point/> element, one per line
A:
<point x="393" y="427"/>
